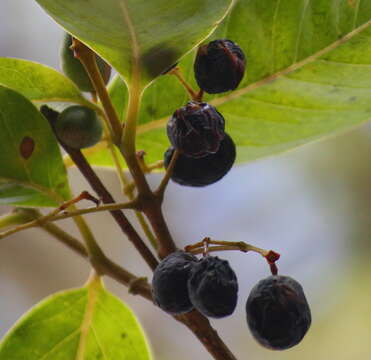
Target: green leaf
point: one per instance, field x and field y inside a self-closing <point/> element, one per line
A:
<point x="31" y="167"/>
<point x="138" y="37"/>
<point x="308" y="76"/>
<point x="82" y="324"/>
<point x="38" y="83"/>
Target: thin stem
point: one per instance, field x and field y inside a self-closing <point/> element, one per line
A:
<point x="110" y="207"/>
<point x="203" y="247"/>
<point x="165" y="180"/>
<point x="88" y="60"/>
<point x="127" y="189"/>
<point x="94" y="97"/>
<point x="137" y="285"/>
<point x="201" y="327"/>
<point x="156" y="165"/>
<point x="178" y="74"/>
<point x="124" y="181"/>
<point x="65" y="238"/>
<point x="151" y="204"/>
<point x="146" y="229"/>
<point x="153" y="212"/>
<point x="199" y="95"/>
<point x="95" y="253"/>
<point x="127" y="148"/>
<point x="198" y="248"/>
<point x="107" y="198"/>
<point x="48" y="219"/>
<point x="102" y="145"/>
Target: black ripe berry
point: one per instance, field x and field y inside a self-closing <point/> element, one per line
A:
<point x="196" y="129"/>
<point x="213" y="287"/>
<point x="278" y="314"/>
<point x="219" y="66"/>
<point x="169" y="283"/>
<point x="78" y="127"/>
<point x="203" y="171"/>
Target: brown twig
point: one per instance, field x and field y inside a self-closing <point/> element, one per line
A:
<point x="107" y="198"/>
<point x="178" y="74"/>
<point x="201" y="327"/>
<point x="106" y="266"/>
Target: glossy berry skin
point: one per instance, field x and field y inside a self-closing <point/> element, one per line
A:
<point x="78" y="127"/>
<point x="74" y="70"/>
<point x="203" y="171"/>
<point x="278" y="314"/>
<point x="213" y="287"/>
<point x="169" y="283"/>
<point x="196" y="129"/>
<point x="219" y="66"/>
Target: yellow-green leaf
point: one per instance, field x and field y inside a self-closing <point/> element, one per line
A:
<point x="83" y="324"/>
<point x="38" y="83"/>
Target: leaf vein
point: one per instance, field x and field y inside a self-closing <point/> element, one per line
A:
<point x="60" y="343"/>
<point x="100" y="346"/>
<point x="273" y="47"/>
<point x="300" y="29"/>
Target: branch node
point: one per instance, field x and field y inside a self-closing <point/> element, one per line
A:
<point x="135" y="285"/>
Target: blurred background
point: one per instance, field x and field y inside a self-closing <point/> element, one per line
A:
<point x="312" y="205"/>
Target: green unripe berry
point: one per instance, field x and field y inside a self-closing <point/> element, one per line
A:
<point x="74" y="70"/>
<point x="78" y="127"/>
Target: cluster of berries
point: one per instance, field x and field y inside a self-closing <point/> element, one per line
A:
<point x="277" y="311"/>
<point x="196" y="130"/>
<point x="181" y="283"/>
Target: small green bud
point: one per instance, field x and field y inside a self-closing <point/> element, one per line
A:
<point x="78" y="127"/>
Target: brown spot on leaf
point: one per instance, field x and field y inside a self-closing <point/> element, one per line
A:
<point x="159" y="59"/>
<point x="27" y="147"/>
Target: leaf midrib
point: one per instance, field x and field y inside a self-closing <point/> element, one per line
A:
<point x="94" y="286"/>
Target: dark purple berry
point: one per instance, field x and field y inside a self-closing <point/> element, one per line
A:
<point x="278" y="314"/>
<point x="169" y="283"/>
<point x="213" y="287"/>
<point x="196" y="129"/>
<point x="203" y="171"/>
<point x="78" y="127"/>
<point x="219" y="66"/>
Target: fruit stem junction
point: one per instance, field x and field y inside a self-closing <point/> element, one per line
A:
<point x="178" y="74"/>
<point x="203" y="247"/>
